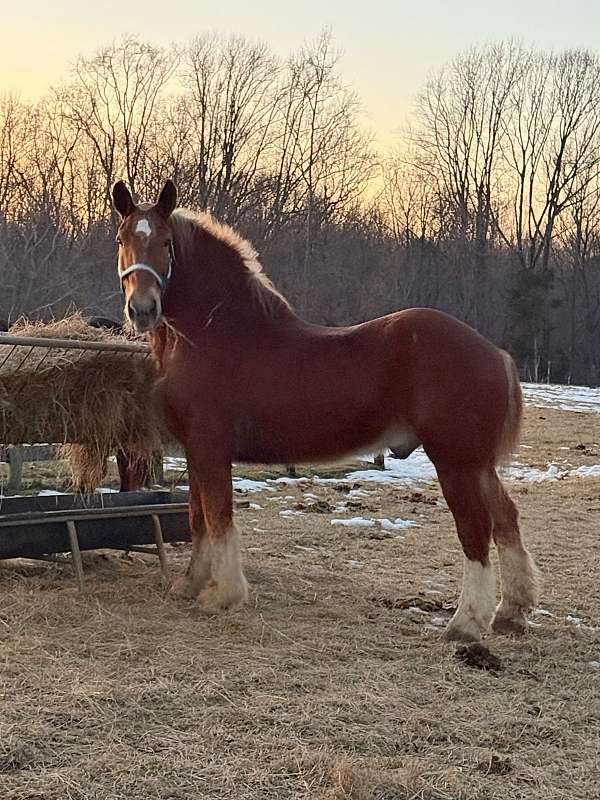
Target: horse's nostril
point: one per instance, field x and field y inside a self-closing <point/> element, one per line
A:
<point x="146" y="310"/>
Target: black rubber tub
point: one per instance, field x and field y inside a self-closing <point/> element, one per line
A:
<point x="37" y="526"/>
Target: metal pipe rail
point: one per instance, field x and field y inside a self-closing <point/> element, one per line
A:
<point x="73" y="344"/>
<point x="46" y="517"/>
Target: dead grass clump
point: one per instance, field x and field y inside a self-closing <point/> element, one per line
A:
<point x="329" y="776"/>
<point x="98" y="400"/>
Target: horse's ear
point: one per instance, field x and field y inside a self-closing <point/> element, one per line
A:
<point x="122" y="199"/>
<point x="167" y="200"/>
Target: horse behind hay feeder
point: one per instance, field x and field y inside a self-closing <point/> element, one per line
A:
<point x="133" y="472"/>
<point x="245" y="379"/>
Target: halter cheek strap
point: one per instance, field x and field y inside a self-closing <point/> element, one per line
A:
<point x="162" y="280"/>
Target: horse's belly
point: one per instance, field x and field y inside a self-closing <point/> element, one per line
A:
<point x="400" y="438"/>
<point x="306" y="442"/>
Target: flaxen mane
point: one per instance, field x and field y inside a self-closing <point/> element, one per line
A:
<point x="188" y="225"/>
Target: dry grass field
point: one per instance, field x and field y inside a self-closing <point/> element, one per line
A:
<point x="334" y="683"/>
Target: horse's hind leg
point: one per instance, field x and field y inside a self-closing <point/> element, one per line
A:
<point x="518" y="572"/>
<point x="464" y="490"/>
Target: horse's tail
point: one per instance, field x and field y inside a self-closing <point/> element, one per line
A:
<point x="511" y="427"/>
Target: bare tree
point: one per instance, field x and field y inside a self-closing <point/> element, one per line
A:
<point x="231" y="100"/>
<point x="551" y="141"/>
<point x="112" y="97"/>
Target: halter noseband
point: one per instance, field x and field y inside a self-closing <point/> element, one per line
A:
<point x="162" y="280"/>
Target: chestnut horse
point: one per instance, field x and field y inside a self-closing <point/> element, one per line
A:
<point x="245" y="379"/>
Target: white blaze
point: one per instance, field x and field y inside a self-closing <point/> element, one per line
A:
<point x="143" y="227"/>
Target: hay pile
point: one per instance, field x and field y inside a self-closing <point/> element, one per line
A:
<point x="97" y="401"/>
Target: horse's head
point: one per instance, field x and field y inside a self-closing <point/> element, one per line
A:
<point x="145" y="253"/>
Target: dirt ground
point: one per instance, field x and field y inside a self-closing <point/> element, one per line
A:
<point x="334" y="683"/>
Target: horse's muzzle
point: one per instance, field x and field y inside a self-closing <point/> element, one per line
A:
<point x="143" y="316"/>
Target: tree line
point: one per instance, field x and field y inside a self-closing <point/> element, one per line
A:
<point x="488" y="208"/>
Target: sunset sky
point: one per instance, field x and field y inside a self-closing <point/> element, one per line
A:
<point x="388" y="46"/>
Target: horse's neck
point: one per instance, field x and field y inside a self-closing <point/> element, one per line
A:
<point x="196" y="303"/>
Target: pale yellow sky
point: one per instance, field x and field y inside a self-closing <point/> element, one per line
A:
<point x="388" y="46"/>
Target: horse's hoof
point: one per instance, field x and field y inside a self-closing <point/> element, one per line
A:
<point x="462" y="631"/>
<point x="183" y="587"/>
<point x="510" y="626"/>
<point x="218" y="598"/>
<point x="459" y="635"/>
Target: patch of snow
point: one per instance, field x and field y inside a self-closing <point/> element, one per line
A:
<point x="579" y="623"/>
<point x="49" y="493"/>
<point x="438" y="621"/>
<point x="435" y="583"/>
<point x="354" y="522"/>
<point x="288" y="512"/>
<point x="519" y="472"/>
<point x="255" y="506"/>
<point x="594" y="664"/>
<point x="360" y="493"/>
<point x="397" y="524"/>
<point x="370" y="522"/>
<point x="174" y="462"/>
<point x="567" y="398"/>
<point x="248" y="485"/>
<point x="417" y="467"/>
<point x="288" y="481"/>
<point x="589" y="471"/>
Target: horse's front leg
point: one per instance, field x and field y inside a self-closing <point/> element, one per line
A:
<point x="197" y="574"/>
<point x="227" y="587"/>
